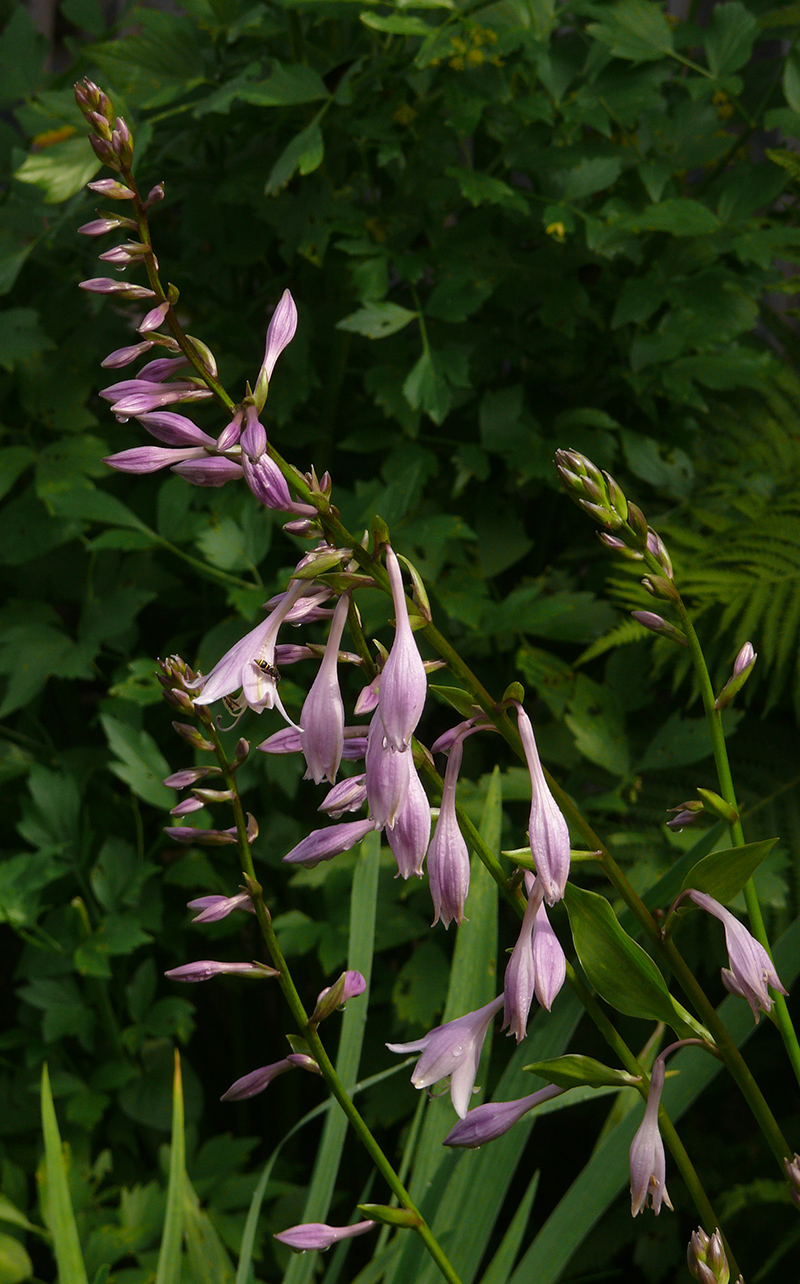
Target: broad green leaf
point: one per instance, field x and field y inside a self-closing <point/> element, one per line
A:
<point x="634" y="29"/>
<point x="425" y="389"/>
<point x="287" y="85"/>
<point x="679" y="742"/>
<point x="485" y="189"/>
<point x="96" y="506"/>
<point x="61" y="170"/>
<point x="22" y="55"/>
<point x="592" y="175"/>
<point x="597" y="721"/>
<point x="723" y="874"/>
<point x="377" y="320"/>
<point x="680" y="216"/>
<point x="396" y="24"/>
<point x="168" y="1270"/>
<point x="729" y="37"/>
<point x="142" y="765"/>
<point x="573" y="1070"/>
<point x="621" y="972"/>
<point x="58" y="1205"/>
<point x="21" y="336"/>
<point x="13" y="462"/>
<point x="303" y="153"/>
<point x="15" y="1264"/>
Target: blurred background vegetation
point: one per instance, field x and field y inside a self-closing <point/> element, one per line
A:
<point x="508" y="227"/>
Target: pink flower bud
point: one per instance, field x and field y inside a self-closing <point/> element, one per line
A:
<point x="448" y="858"/>
<point x="404" y="682"/>
<point x="318" y="1235"/>
<point x="492" y="1120"/>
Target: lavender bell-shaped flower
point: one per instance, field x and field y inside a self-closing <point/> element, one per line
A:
<point x="280" y="332"/>
<point x="549" y="961"/>
<point x="324" y="844"/>
<point x="257" y="1080"/>
<point x="647" y="1159"/>
<point x="448" y="858"/>
<point x="320" y="1236"/>
<point x="547" y="828"/>
<point x="404" y="683"/>
<point x="751" y="970"/>
<point x="453" y="1049"/>
<point x="490" y="1121"/>
<point x="519" y="984"/>
<point x="411" y="833"/>
<point x="322" y="717"/>
<point x="387" y="775"/>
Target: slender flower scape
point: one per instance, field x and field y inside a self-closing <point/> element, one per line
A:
<point x="647" y="1160"/>
<point x="452" y="1050"/>
<point x="547" y="829"/>
<point x="751" y="970"/>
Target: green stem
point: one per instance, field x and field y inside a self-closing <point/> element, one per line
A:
<point x="726" y="788"/>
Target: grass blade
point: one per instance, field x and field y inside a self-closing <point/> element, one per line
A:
<point x="169" y="1256"/>
<point x="58" y="1205"/>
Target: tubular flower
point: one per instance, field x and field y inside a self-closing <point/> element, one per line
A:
<point x="647" y="1160"/>
<point x="411" y="833"/>
<point x="490" y="1121"/>
<point x="322" y="717"/>
<point x="452" y="1050"/>
<point x="249" y="664"/>
<point x="448" y="858"/>
<point x="751" y="970"/>
<point x="549" y="961"/>
<point x="387" y="775"/>
<point x="403" y="684"/>
<point x="519" y="985"/>
<point x="324" y="844"/>
<point x="547" y="829"/>
<point x="318" y="1235"/>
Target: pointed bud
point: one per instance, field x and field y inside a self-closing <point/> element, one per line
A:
<point x="317" y="1235"/>
<point x="205" y="969"/>
<point x="657" y="624"/>
<point x="404" y="682"/>
<point x="706" y="1258"/>
<point x="547" y="828"/>
<point x="492" y="1120"/>
<point x="349" y="986"/>
<point x="280" y="332"/>
<point x="742" y="668"/>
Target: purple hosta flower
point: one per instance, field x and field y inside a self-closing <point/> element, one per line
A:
<point x="213" y="908"/>
<point x="410" y="835"/>
<point x="547" y="828"/>
<point x="743" y="666"/>
<point x="318" y="1235"/>
<point x="549" y="960"/>
<point x="404" y="682"/>
<point x="105" y="285"/>
<point x="249" y="664"/>
<point x="752" y="970"/>
<point x="99" y="226"/>
<point x="175" y="430"/>
<point x="324" y="844"/>
<point x="148" y="459"/>
<point x="111" y="189"/>
<point x="448" y="858"/>
<point x="208" y="470"/>
<point x="257" y="1080"/>
<point x="205" y="969"/>
<point x="348" y="795"/>
<point x="490" y="1121"/>
<point x="452" y="1050"/>
<point x="368" y="697"/>
<point x="387" y="775"/>
<point x="648" y="1164"/>
<point x="124" y="356"/>
<point x="189" y="776"/>
<point x="288" y="739"/>
<point x="519" y="985"/>
<point x="231" y="432"/>
<point x="186" y="807"/>
<point x="154" y="319"/>
<point x="162" y="368"/>
<point x="334" y="997"/>
<point x="280" y="332"/>
<point x="322" y="716"/>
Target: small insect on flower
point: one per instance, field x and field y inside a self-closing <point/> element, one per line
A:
<point x="269" y="669"/>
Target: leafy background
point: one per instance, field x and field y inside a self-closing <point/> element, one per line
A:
<point x="509" y="227"/>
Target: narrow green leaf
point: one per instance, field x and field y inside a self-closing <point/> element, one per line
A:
<point x="502" y="1263"/>
<point x="621" y="972"/>
<point x="60" y="1217"/>
<point x="169" y="1256"/>
<point x="208" y="1258"/>
<point x="724" y="874"/>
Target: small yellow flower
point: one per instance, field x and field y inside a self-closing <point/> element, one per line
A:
<point x="557" y="231"/>
<point x="457" y="64"/>
<point x="404" y="114"/>
<point x="475" y="57"/>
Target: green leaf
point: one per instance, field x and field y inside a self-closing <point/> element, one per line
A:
<point x="729" y="37"/>
<point x="484" y="189"/>
<point x="96" y="506"/>
<point x="680" y="216"/>
<point x="288" y="85"/>
<point x="60" y="1217"/>
<point x="593" y="174"/>
<point x="142" y="765"/>
<point x="29" y="656"/>
<point x="60" y="171"/>
<point x="621" y="972"/>
<point x="502" y="1263"/>
<point x="13" y="462"/>
<point x="21" y="336"/>
<point x="304" y="153"/>
<point x="634" y="29"/>
<point x="377" y="320"/>
<point x="22" y="54"/>
<point x="791" y="80"/>
<point x="680" y="741"/>
<point x="573" y="1070"/>
<point x="208" y="1259"/>
<point x="597" y="721"/>
<point x="169" y="1255"/>
<point x="723" y="874"/>
<point x="15" y="1264"/>
<point x="396" y="24"/>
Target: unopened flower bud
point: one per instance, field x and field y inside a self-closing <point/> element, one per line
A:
<point x="349" y="986"/>
<point x="193" y="737"/>
<point x="104" y="152"/>
<point x="660" y="586"/>
<point x="742" y="668"/>
<point x="205" y="969"/>
<point x="657" y="624"/>
<point x="615" y="496"/>
<point x="706" y="1258"/>
<point x="638" y="524"/>
<point x="792" y="1167"/>
<point x="112" y="189"/>
<point x="658" y="549"/>
<point x="122" y="142"/>
<point x="155" y="195"/>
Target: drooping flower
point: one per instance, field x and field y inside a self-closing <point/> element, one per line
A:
<point x="257" y="1080"/>
<point x="448" y="857"/>
<point x="403" y="684"/>
<point x="249" y="665"/>
<point x="490" y="1121"/>
<point x="520" y="982"/>
<point x="647" y="1159"/>
<point x="322" y="716"/>
<point x="411" y="833"/>
<point x="452" y="1050"/>
<point x="751" y="970"/>
<point x="387" y="775"/>
<point x="547" y="828"/>
<point x="549" y="961"/>
<point x="324" y="844"/>
<point x="318" y="1235"/>
<point x="213" y="908"/>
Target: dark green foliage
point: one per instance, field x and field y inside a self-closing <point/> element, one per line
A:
<point x="508" y="228"/>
